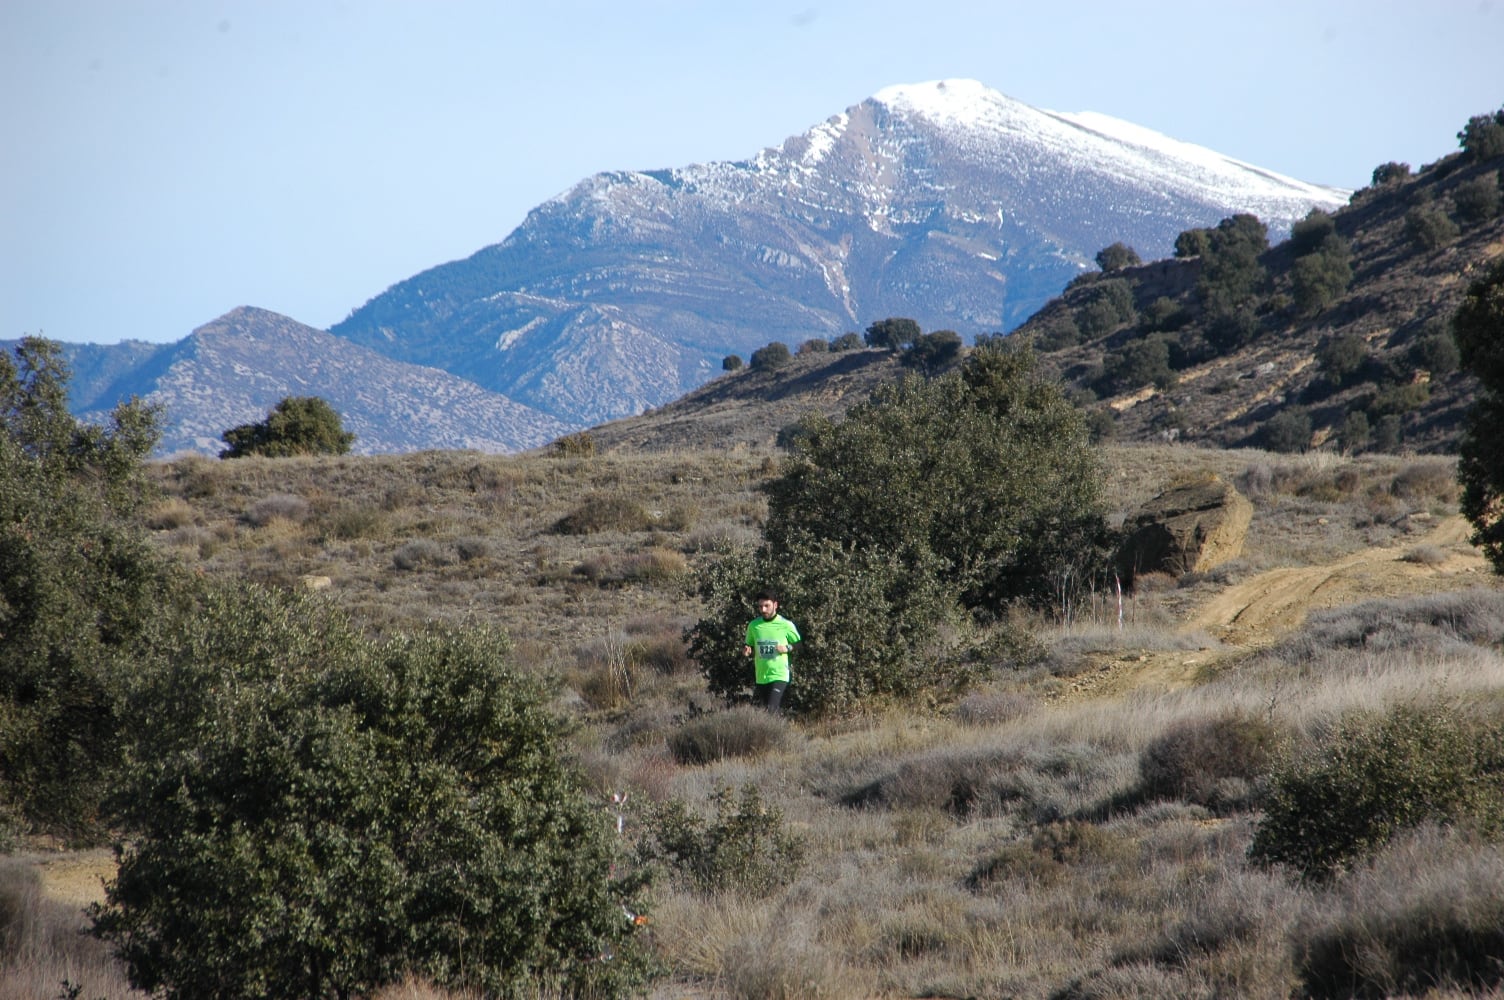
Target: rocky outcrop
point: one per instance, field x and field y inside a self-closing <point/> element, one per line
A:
<point x="1189" y="527"/>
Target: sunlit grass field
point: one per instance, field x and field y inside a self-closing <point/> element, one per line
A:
<point x="1020" y="840"/>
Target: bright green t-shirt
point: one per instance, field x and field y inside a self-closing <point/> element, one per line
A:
<point x="765" y="636"/>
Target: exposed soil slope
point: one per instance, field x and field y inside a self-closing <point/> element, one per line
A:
<point x="1257" y="611"/>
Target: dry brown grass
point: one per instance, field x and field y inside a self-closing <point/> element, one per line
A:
<point x="1001" y="845"/>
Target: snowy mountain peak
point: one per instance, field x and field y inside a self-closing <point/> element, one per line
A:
<point x="945" y="100"/>
<point x="946" y="202"/>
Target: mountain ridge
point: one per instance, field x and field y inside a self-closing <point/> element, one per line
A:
<point x="878" y="211"/>
<point x="628" y="289"/>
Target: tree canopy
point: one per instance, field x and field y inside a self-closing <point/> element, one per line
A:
<point x="940" y="501"/>
<point x="80" y="589"/>
<point x="1478" y="326"/>
<point x="298" y="425"/>
<point x="314" y="814"/>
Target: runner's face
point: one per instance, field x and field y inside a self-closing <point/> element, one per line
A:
<point x="767" y="608"/>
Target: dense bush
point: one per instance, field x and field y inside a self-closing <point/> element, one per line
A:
<point x="1217" y="762"/>
<point x="1477" y="200"/>
<point x="81" y="591"/>
<point x="316" y="815"/>
<point x="1107" y="306"/>
<point x="1231" y="274"/>
<point x="771" y="357"/>
<point x="1482" y="138"/>
<point x="1321" y="277"/>
<point x="1436" y="353"/>
<point x="1310" y="234"/>
<point x="1193" y="242"/>
<point x="731" y="363"/>
<point x="1352" y="436"/>
<point x="604" y="512"/>
<point x="745" y="849"/>
<point x="1145" y="361"/>
<point x="931" y="352"/>
<point x="935" y="499"/>
<point x="1374" y="777"/>
<point x="298" y="425"/>
<point x="1117" y="256"/>
<point x="814" y="346"/>
<point x="1056" y="331"/>
<point x="1479" y="328"/>
<point x="1429" y="227"/>
<point x="739" y="732"/>
<point x="1390" y="173"/>
<point x="1341" y="357"/>
<point x="1287" y="431"/>
<point x="849" y="341"/>
<point x="892" y="333"/>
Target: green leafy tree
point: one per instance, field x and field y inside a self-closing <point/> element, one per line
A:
<point x="298" y="425"/>
<point x="731" y="363"/>
<point x="1429" y="227"/>
<point x="1117" y="256"/>
<point x="1289" y="430"/>
<point x="1352" y="436"/>
<point x="937" y="501"/>
<point x="1435" y="351"/>
<point x="1321" y="277"/>
<point x="1193" y="243"/>
<point x="1106" y="306"/>
<point x="771" y="357"/>
<point x="81" y="590"/>
<point x="1055" y="330"/>
<point x="892" y="334"/>
<point x="316" y="815"/>
<point x="1477" y="200"/>
<point x="814" y="346"/>
<point x="931" y="352"/>
<point x="1311" y="234"/>
<point x="1375" y="777"/>
<point x="849" y="341"/>
<point x="1231" y="274"/>
<point x="1145" y="361"/>
<point x="1390" y="173"/>
<point x="1341" y="357"/>
<point x="1478" y="326"/>
<point x="1482" y="138"/>
<point x="1388" y="433"/>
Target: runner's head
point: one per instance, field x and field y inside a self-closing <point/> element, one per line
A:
<point x="766" y="603"/>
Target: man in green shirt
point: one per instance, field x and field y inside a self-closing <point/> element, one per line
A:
<point x="770" y="639"/>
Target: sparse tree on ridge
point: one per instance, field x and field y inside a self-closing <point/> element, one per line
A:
<point x="298" y="425"/>
<point x="1117" y="256"/>
<point x="893" y="333"/>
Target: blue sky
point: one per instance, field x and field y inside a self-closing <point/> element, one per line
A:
<point x="168" y="160"/>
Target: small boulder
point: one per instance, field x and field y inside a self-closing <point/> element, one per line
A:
<point x="1190" y="527"/>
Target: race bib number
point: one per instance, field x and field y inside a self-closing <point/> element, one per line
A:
<point x="767" y="648"/>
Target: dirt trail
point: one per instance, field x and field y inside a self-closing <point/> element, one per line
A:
<point x="1259" y="610"/>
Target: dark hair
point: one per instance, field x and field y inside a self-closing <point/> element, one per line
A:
<point x="765" y="594"/>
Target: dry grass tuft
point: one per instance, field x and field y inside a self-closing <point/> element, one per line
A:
<point x="737" y="732"/>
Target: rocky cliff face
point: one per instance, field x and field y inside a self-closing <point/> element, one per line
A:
<point x="945" y="202"/>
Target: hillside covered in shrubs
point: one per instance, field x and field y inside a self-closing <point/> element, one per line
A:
<point x="1337" y="338"/>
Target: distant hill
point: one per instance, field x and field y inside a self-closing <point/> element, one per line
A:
<point x="1292" y="379"/>
<point x="946" y="202"/>
<point x="1291" y="368"/>
<point x="235" y="369"/>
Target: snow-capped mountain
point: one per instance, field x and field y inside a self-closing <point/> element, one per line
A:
<point x="945" y="201"/>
